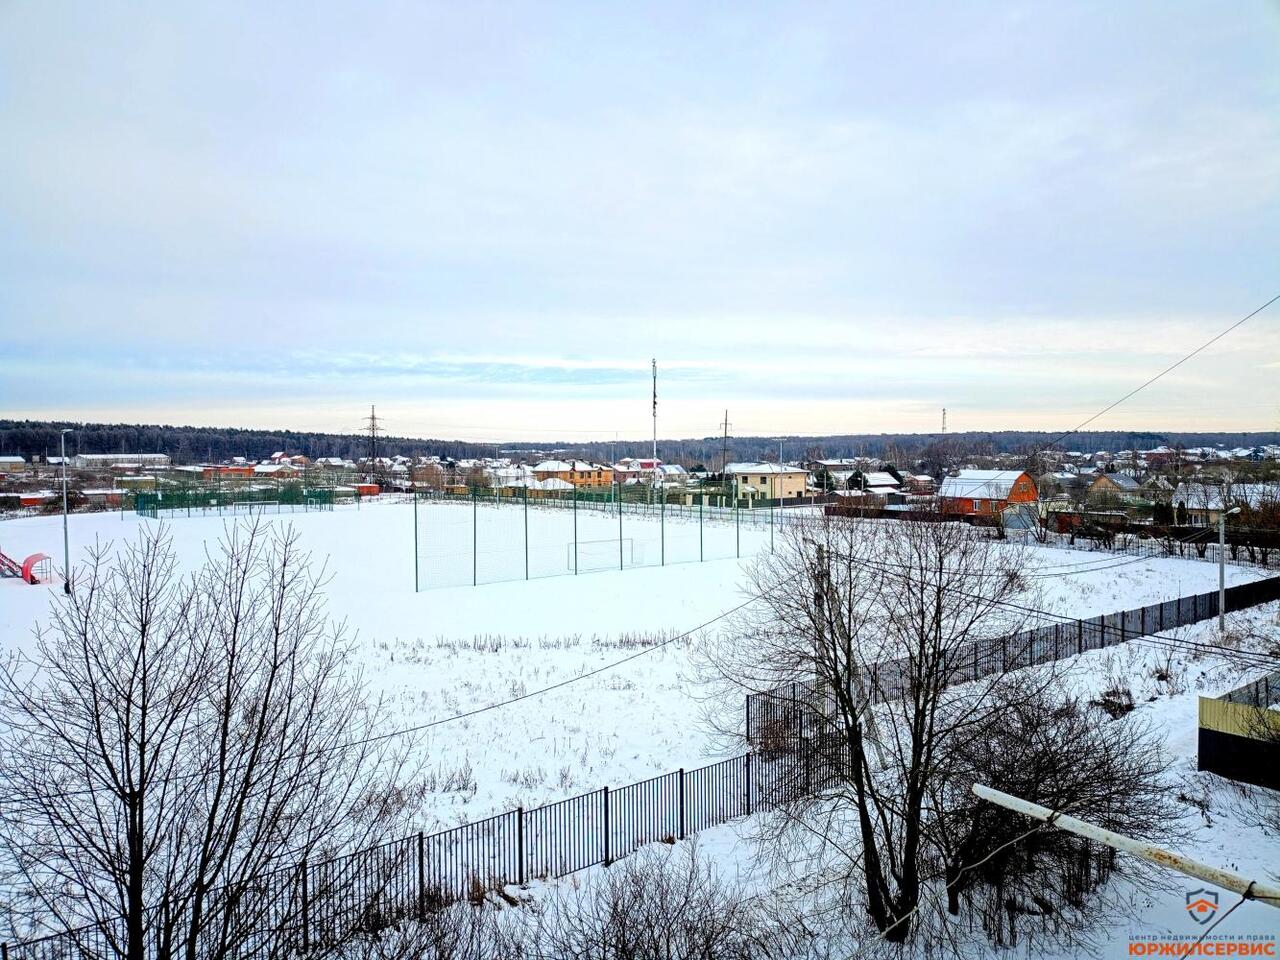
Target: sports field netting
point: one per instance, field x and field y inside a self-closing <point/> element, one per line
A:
<point x="488" y="536"/>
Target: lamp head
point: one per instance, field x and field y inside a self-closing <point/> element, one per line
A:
<point x="1233" y="510"/>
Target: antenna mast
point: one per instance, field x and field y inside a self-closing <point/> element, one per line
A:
<point x="944" y="421"/>
<point x="655" y="413"/>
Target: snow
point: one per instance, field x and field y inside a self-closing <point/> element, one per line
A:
<point x="456" y="648"/>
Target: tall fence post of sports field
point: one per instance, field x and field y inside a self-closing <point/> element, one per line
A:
<point x="575" y="531"/>
<point x="619" y="526"/>
<point x="702" y="499"/>
<point x="415" y="542"/>
<point x="737" y="529"/>
<point x="474" y="534"/>
<point x="526" y="532"/>
<point x="662" y="530"/>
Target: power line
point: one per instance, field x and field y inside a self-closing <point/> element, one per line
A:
<point x="418" y="728"/>
<point x="1169" y="369"/>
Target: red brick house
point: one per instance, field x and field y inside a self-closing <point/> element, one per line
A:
<point x="986" y="492"/>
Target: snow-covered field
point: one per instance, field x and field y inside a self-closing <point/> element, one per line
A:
<point x="449" y="650"/>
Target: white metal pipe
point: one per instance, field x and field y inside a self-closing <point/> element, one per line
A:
<point x="1226" y="879"/>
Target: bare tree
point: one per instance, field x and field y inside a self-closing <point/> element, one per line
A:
<point x="664" y="905"/>
<point x="875" y="625"/>
<point x="1051" y="749"/>
<point x="183" y="744"/>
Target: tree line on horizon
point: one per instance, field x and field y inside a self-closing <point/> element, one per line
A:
<point x="185" y="444"/>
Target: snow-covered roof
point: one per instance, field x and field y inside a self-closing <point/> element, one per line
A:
<point x="1207" y="496"/>
<point x="12" y="460"/>
<point x="982" y="484"/>
<point x="564" y="466"/>
<point x="762" y="468"/>
<point x="1121" y="480"/>
<point x="879" y="478"/>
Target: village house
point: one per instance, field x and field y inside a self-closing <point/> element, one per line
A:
<point x="578" y="473"/>
<point x="1200" y="504"/>
<point x="89" y="461"/>
<point x="768" y="481"/>
<point x="1115" y="486"/>
<point x="986" y="492"/>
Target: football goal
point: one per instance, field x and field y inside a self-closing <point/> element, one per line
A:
<point x="593" y="555"/>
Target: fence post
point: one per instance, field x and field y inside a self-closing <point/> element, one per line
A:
<point x="748" y="782"/>
<point x="575" y="531"/>
<point x="606" y="826"/>
<point x="415" y="543"/>
<point x="306" y="911"/>
<point x="1123" y="619"/>
<point x="662" y="530"/>
<point x="619" y="526"/>
<point x="702" y="499"/>
<point x="1142" y="620"/>
<point x="520" y="842"/>
<point x="682" y="803"/>
<point x="1079" y="636"/>
<point x="474" y="540"/>
<point x="422" y="877"/>
<point x="737" y="530"/>
<point x="526" y="533"/>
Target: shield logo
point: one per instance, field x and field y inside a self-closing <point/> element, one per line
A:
<point x="1202" y="905"/>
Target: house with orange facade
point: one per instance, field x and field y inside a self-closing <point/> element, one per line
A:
<point x="580" y="473"/>
<point x="986" y="492"/>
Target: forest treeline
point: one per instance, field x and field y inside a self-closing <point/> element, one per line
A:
<point x="33" y="438"/>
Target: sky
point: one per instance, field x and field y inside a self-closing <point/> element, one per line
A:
<point x="488" y="218"/>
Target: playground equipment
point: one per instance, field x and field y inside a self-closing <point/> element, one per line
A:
<point x="35" y="569"/>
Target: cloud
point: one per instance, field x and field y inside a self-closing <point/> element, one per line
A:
<point x="797" y="211"/>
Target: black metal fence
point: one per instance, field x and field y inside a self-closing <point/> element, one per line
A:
<point x="311" y="905"/>
<point x="1167" y="547"/>
<point x="770" y="711"/>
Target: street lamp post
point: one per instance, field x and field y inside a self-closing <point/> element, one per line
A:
<point x="1222" y="569"/>
<point x="66" y="539"/>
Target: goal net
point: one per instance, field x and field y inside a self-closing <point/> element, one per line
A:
<point x="593" y="555"/>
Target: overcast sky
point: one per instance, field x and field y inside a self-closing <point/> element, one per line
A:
<point x="487" y="218"/>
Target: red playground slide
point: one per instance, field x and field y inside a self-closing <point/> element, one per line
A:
<point x="31" y="569"/>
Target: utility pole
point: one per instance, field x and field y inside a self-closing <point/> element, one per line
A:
<point x="1222" y="567"/>
<point x="1227" y="879"/>
<point x="655" y="413"/>
<point x="944" y="421"/>
<point x="372" y="421"/>
<point x="724" y="456"/>
<point x="724" y="444"/>
<point x="653" y="481"/>
<point x="66" y="537"/>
